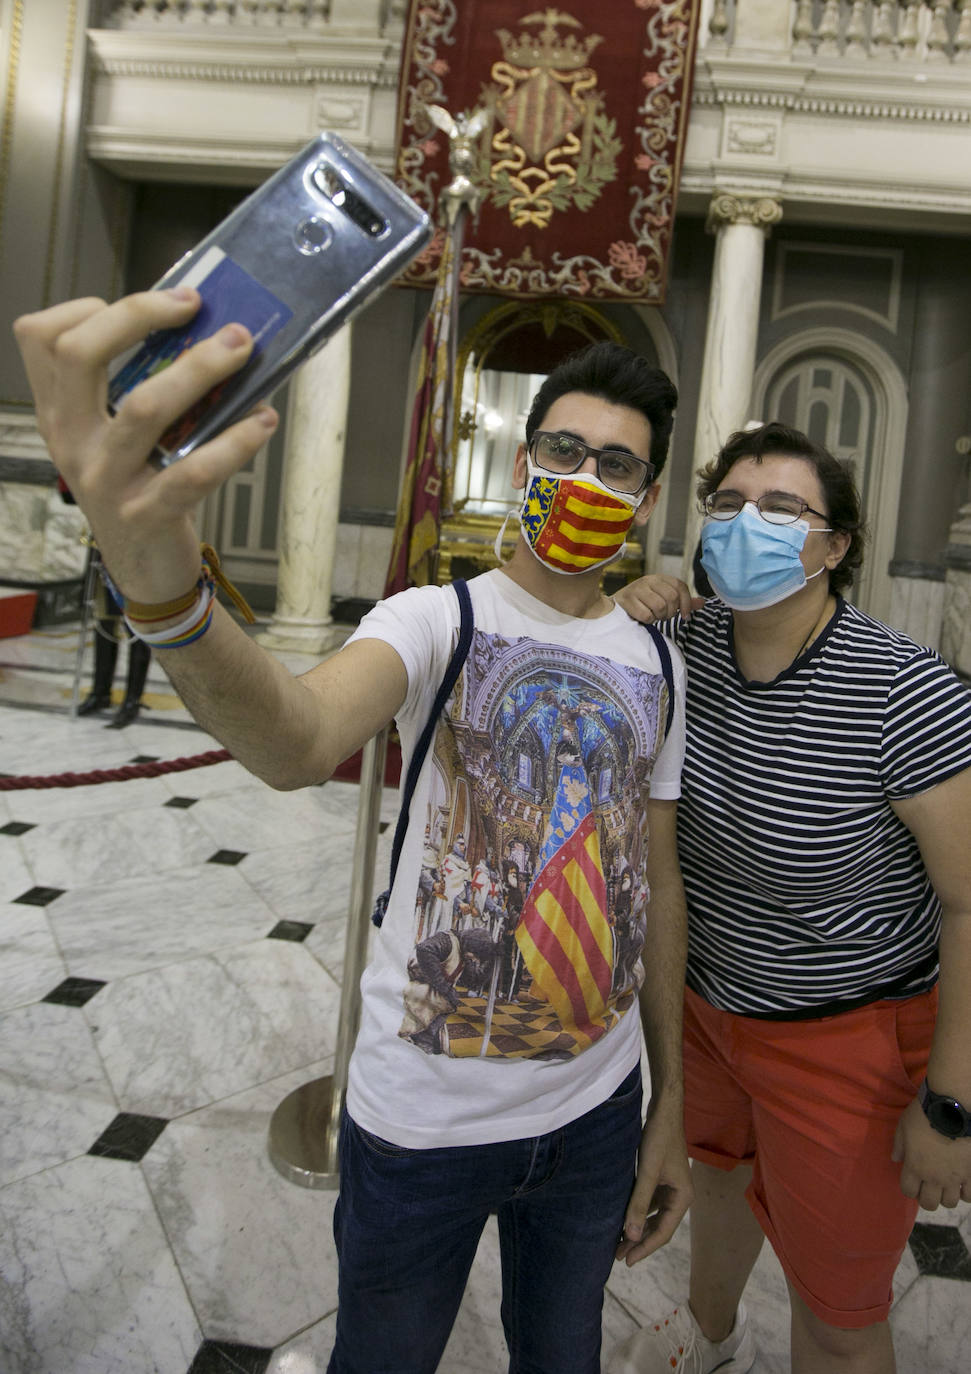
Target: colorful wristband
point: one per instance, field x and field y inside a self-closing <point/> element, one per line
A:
<point x="146" y="612"/>
<point x="193" y="627"/>
<point x="198" y="602"/>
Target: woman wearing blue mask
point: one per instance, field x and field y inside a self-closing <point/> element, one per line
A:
<point x="824" y="836"/>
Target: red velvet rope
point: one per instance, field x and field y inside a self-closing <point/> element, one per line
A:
<point x="130" y="770"/>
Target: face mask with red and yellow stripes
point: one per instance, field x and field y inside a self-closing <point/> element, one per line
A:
<point x="573" y="524"/>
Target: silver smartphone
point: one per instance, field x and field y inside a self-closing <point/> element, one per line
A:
<point x="293" y="262"/>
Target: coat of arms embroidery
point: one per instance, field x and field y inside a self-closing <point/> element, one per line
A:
<point x="555" y="147"/>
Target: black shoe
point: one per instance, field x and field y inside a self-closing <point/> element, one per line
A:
<point x="95" y="702"/>
<point x="127" y="712"/>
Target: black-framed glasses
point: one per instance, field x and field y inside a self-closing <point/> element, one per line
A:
<point x="775" y="507"/>
<point x="562" y="454"/>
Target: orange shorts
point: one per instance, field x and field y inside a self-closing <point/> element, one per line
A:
<point x="813" y="1107"/>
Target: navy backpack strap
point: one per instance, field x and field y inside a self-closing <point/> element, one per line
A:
<point x="667" y="668"/>
<point x="458" y="658"/>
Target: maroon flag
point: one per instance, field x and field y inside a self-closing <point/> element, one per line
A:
<point x="579" y="153"/>
<point x="414" y="553"/>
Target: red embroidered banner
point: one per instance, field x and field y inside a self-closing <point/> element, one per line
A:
<point x="579" y="147"/>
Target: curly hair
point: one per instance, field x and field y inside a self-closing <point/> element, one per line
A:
<point x="836" y="478"/>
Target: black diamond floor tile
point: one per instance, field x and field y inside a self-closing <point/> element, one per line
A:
<point x="290" y="930"/>
<point x="182" y="802"/>
<point x="40" y="896"/>
<point x="129" y="1137"/>
<point x="226" y="1357"/>
<point x="144" y="758"/>
<point x="226" y="856"/>
<point x="74" y="992"/>
<point x="940" y="1251"/>
<point x="382" y="826"/>
<point x="16" y="828"/>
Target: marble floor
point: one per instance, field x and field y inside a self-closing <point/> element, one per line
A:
<point x="171" y="952"/>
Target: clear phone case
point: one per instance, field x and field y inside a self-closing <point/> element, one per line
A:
<point x="293" y="262"/>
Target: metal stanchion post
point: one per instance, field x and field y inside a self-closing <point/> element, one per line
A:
<point x="304" y="1127"/>
<point x="87" y="599"/>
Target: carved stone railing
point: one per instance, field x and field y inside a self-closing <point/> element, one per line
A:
<point x="918" y="30"/>
<point x="912" y="30"/>
<point x="312" y="15"/>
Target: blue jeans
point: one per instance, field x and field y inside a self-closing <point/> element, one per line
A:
<point x="408" y="1222"/>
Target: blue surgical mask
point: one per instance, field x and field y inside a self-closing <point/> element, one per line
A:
<point x="752" y="563"/>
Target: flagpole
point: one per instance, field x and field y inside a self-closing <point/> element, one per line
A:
<point x="87" y="599"/>
<point x="304" y="1128"/>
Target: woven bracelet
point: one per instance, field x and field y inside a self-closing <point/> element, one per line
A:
<point x="187" y="631"/>
<point x="198" y="602"/>
<point x="145" y="612"/>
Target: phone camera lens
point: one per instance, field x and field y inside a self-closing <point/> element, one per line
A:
<point x="313" y="235"/>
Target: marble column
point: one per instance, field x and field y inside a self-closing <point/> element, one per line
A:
<point x="313" y="465"/>
<point x="62" y="225"/>
<point x="740" y="222"/>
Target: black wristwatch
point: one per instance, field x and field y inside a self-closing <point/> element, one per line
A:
<point x="945" y="1114"/>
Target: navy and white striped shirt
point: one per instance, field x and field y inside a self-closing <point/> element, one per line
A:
<point x="806" y="893"/>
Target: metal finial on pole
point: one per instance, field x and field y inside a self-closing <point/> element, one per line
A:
<point x="462" y="130"/>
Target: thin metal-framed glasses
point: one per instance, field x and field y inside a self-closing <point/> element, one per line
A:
<point x="775" y="507"/>
<point x="562" y="454"/>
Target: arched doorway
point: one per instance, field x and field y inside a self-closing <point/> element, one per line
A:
<point x="501" y="363"/>
<point x="500" y="366"/>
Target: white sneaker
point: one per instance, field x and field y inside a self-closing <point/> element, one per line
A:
<point x="675" y="1345"/>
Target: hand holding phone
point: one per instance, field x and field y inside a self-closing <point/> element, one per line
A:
<point x="294" y="262"/>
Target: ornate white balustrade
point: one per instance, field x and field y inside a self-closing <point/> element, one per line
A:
<point x="911" y="30"/>
<point x="312" y="15"/>
<point x="915" y="30"/>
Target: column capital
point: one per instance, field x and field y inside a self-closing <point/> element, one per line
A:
<point x="741" y="207"/>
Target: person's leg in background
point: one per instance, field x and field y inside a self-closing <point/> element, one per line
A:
<point x="105" y="658"/>
<point x="139" y="657"/>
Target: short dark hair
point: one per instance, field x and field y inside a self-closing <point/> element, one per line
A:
<point x="835" y="477"/>
<point x="619" y="375"/>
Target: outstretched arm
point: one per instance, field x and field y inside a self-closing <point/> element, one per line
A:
<point x="289" y="731"/>
<point x="662" y="1192"/>
<point x="934" y="1169"/>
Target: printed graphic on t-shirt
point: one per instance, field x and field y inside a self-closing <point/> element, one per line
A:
<point x="531" y="906"/>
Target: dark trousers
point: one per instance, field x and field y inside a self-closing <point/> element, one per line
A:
<point x="407" y="1224"/>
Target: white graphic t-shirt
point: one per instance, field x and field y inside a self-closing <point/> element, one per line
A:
<point x="501" y="1001"/>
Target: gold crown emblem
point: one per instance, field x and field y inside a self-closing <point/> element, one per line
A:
<point x="547" y="48"/>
